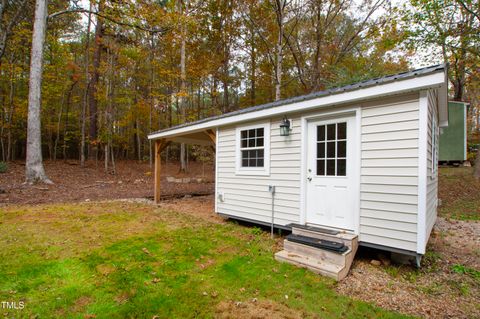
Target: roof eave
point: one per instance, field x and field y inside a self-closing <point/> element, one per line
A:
<point x="435" y="79"/>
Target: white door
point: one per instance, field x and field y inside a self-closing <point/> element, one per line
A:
<point x="330" y="170"/>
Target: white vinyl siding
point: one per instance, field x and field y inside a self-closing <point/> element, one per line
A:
<point x="248" y="196"/>
<point x="389" y="173"/>
<point x="432" y="174"/>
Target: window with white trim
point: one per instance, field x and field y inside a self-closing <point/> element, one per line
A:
<point x="253" y="149"/>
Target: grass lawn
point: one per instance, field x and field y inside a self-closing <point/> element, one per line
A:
<point x="131" y="260"/>
<point x="460" y="193"/>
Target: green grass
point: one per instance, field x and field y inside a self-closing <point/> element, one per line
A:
<point x="463" y="210"/>
<point x="459" y="193"/>
<point x="461" y="269"/>
<point x="119" y="260"/>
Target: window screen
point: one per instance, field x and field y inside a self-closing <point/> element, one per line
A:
<point x="332" y="149"/>
<point x="252" y="147"/>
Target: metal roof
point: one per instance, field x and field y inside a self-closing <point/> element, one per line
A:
<point x="332" y="91"/>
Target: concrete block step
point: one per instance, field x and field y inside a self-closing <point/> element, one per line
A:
<point x="318" y="266"/>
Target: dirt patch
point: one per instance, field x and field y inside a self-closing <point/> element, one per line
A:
<point x="122" y="298"/>
<point x="201" y="206"/>
<point x="375" y="285"/>
<point x="105" y="269"/>
<point x="256" y="309"/>
<point x="74" y="183"/>
<point x="457" y="241"/>
<point x="204" y="263"/>
<point x="417" y="292"/>
<point x="457" y="183"/>
<point x="81" y="303"/>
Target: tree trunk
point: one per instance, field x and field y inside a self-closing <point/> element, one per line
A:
<point x="93" y="102"/>
<point x="59" y="122"/>
<point x="280" y="7"/>
<point x="319" y="32"/>
<point x="10" y="115"/>
<point x="106" y="157"/>
<point x="85" y="97"/>
<point x="183" y="76"/>
<point x="139" y="142"/>
<point x="253" y="67"/>
<point x="109" y="111"/>
<point x="150" y="114"/>
<point x="458" y="89"/>
<point x="226" y="102"/>
<point x="34" y="170"/>
<point x="214" y="94"/>
<point x="114" y="169"/>
<point x="183" y="158"/>
<point x="67" y="109"/>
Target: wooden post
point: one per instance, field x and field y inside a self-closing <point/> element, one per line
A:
<point x="159" y="146"/>
<point x="158" y="165"/>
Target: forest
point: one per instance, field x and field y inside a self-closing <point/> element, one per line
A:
<point x="115" y="70"/>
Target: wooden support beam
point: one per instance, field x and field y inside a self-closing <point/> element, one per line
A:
<point x="212" y="135"/>
<point x="160" y="145"/>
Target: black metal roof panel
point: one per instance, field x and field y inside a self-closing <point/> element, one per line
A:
<point x="337" y="90"/>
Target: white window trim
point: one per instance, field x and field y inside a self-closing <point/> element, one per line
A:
<point x="255" y="171"/>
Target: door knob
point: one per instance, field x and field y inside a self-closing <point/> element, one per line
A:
<point x="309" y="179"/>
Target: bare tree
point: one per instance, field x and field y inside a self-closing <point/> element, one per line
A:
<point x="34" y="170"/>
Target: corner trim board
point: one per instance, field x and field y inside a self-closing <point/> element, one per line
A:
<point x="422" y="171"/>
<point x="216" y="170"/>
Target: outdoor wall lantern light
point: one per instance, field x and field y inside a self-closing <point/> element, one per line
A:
<point x="285" y="127"/>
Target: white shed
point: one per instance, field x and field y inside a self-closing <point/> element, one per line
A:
<point x="359" y="159"/>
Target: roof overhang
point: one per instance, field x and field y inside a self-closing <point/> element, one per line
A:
<point x="443" y="101"/>
<point x="432" y="80"/>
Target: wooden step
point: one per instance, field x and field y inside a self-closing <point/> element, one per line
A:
<point x="324" y="251"/>
<point x="315" y="265"/>
<point x="312" y="252"/>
